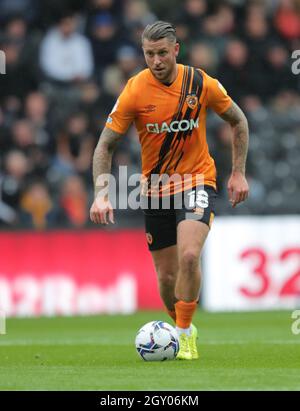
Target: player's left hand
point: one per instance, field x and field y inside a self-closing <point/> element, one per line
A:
<point x="238" y="188"/>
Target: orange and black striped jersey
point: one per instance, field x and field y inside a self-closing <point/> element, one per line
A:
<point x="171" y="122"/>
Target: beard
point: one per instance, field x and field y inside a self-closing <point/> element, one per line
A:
<point x="163" y="76"/>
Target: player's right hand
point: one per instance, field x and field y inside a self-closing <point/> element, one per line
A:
<point x="238" y="188"/>
<point x="102" y="211"/>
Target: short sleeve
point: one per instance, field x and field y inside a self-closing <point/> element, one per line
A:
<point x="123" y="112"/>
<point x="217" y="97"/>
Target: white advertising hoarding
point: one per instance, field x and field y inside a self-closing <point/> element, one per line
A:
<point x="252" y="263"/>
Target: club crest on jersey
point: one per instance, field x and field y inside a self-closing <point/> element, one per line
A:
<point x="191" y="101"/>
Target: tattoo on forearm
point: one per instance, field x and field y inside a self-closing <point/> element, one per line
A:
<point x="102" y="158"/>
<point x="236" y="118"/>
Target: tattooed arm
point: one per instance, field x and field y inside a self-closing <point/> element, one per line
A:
<point x="238" y="188"/>
<point x="236" y="118"/>
<point x="101" y="170"/>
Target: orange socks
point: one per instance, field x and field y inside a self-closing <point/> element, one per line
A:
<point x="184" y="313"/>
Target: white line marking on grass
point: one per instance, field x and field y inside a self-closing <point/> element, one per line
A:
<point x="241" y="342"/>
<point x="107" y="341"/>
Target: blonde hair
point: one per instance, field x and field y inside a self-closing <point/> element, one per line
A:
<point x="159" y="30"/>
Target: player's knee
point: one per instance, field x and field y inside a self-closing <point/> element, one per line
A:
<point x="167" y="278"/>
<point x="189" y="261"/>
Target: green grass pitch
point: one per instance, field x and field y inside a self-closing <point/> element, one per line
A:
<point x="238" y="351"/>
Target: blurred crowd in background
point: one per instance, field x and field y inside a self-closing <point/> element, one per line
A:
<point x="67" y="62"/>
